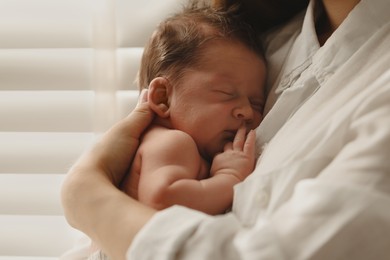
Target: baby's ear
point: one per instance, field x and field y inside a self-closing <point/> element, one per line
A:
<point x="159" y="90"/>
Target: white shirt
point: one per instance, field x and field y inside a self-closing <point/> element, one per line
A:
<point x="321" y="188"/>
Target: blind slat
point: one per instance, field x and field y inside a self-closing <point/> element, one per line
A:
<point x="128" y="63"/>
<point x="44" y="111"/>
<point x="67" y="24"/>
<point x="27" y="258"/>
<point x="30" y="194"/>
<point x="61" y="69"/>
<point x="41" y="152"/>
<point x="46" y="23"/>
<point x="126" y="102"/>
<point x="46" y="69"/>
<point x="134" y="30"/>
<point x="35" y="235"/>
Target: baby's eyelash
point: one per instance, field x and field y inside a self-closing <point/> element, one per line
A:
<point x="258" y="105"/>
<point x="230" y="94"/>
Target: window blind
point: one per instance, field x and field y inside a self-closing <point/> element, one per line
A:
<point x="67" y="70"/>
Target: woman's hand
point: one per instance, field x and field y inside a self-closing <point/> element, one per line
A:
<point x="92" y="203"/>
<point x="115" y="151"/>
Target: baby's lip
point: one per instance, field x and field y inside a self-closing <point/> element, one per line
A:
<point x="230" y="134"/>
<point x="231" y="131"/>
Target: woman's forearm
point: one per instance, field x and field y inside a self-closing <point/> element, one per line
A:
<point x="91" y="200"/>
<point x="93" y="205"/>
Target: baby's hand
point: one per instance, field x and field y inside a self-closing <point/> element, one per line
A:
<point x="238" y="158"/>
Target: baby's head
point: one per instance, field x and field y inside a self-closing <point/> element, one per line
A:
<point x="205" y="73"/>
<point x="177" y="41"/>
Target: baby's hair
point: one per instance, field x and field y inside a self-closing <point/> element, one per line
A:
<point x="177" y="41"/>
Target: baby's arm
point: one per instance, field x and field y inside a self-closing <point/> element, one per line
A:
<point x="233" y="165"/>
<point x="170" y="173"/>
<point x="170" y="170"/>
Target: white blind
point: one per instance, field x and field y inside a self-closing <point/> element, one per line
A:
<point x="67" y="69"/>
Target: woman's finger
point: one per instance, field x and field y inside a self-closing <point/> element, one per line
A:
<point x="138" y="120"/>
<point x="143" y="97"/>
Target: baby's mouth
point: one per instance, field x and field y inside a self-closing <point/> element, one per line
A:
<point x="229" y="135"/>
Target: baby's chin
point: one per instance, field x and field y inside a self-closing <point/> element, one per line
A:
<point x="211" y="152"/>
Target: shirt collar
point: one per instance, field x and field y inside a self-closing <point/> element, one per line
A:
<point x="305" y="46"/>
<point x="308" y="34"/>
<point x="359" y="26"/>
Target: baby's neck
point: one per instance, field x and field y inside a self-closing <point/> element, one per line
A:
<point x="164" y="122"/>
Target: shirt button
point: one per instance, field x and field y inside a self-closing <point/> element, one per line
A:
<point x="262" y="199"/>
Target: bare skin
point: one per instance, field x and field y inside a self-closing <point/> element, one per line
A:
<point x="91" y="201"/>
<point x="173" y="177"/>
<point x="335" y="13"/>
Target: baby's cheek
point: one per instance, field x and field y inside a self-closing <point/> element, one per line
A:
<point x="257" y="120"/>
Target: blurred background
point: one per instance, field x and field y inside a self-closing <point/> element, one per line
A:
<point x="67" y="71"/>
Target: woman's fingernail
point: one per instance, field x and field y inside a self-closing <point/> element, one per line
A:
<point x="143" y="97"/>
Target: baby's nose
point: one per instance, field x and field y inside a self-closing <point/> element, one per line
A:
<point x="244" y="112"/>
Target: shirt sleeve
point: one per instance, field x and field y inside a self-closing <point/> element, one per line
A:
<point x="182" y="233"/>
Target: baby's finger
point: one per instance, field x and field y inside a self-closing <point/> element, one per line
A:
<point x="250" y="143"/>
<point x="228" y="146"/>
<point x="239" y="139"/>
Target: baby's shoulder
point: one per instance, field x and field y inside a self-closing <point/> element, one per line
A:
<point x="165" y="137"/>
<point x="159" y="132"/>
